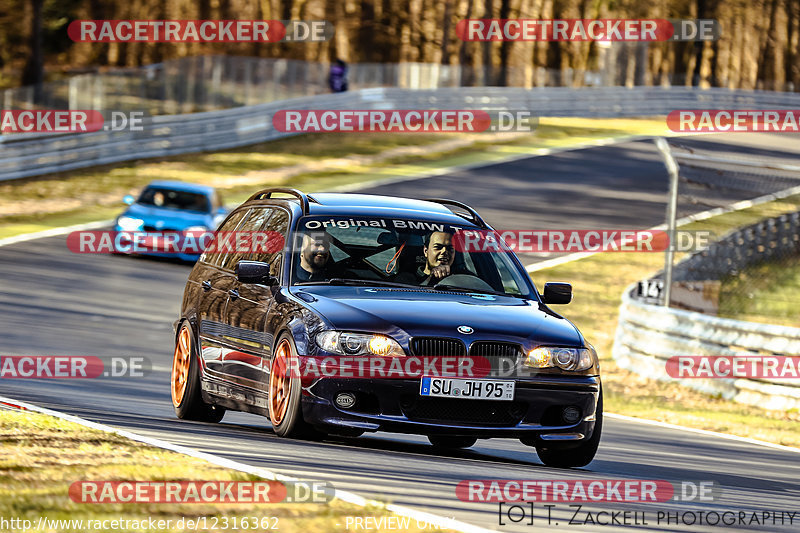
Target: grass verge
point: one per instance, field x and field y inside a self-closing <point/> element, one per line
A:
<point x="41" y="456"/>
<point x="599" y="281"/>
<point x="768" y="293"/>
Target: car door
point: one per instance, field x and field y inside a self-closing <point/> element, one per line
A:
<point x="215" y="282"/>
<point x="249" y="305"/>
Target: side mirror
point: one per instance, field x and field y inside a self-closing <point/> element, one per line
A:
<point x="255" y="272"/>
<point x="557" y="293"/>
<point x="128" y="199"/>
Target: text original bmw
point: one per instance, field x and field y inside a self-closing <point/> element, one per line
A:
<point x="369" y="316"/>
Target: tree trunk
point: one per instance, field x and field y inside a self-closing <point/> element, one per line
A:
<point x="488" y="10"/>
<point x="33" y="74"/>
<point x="505" y="46"/>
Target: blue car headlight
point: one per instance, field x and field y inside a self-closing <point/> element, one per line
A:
<point x="344" y="343"/>
<point x="127" y="223"/>
<point x="575" y="359"/>
<point x="196" y="229"/>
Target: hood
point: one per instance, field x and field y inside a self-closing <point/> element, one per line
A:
<point x="170" y="218"/>
<point x="419" y="312"/>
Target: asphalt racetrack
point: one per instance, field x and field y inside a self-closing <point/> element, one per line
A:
<point x="54" y="302"/>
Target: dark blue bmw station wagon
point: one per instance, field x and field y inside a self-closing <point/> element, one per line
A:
<point x="377" y="284"/>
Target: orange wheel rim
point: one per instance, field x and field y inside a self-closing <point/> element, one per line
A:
<point x="180" y="365"/>
<point x="279" y="383"/>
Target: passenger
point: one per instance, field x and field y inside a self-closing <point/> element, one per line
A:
<point x="315" y="257"/>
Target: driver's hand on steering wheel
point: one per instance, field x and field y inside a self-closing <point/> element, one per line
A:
<point x="439" y="272"/>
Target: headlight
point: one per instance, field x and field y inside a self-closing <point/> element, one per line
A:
<point x="345" y="343"/>
<point x="563" y="358"/>
<point x="129" y="223"/>
<point x="196" y="231"/>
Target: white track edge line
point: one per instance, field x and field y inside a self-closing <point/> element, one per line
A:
<point x="725" y="436"/>
<point x="54" y="232"/>
<point x="703" y="215"/>
<point x="350" y="497"/>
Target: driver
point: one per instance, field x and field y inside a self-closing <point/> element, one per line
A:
<point x="315" y="257"/>
<point x="439" y="253"/>
<point x="439" y="256"/>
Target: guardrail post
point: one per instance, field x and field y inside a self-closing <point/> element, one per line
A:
<point x="672" y="212"/>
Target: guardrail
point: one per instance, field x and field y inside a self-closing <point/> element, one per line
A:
<point x="26" y="155"/>
<point x="649" y="334"/>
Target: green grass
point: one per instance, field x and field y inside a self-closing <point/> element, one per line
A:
<point x="768" y="292"/>
<point x="41" y="456"/>
<point x="598" y="282"/>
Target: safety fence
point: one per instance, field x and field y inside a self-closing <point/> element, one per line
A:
<point x="208" y="83"/>
<point x="771" y="239"/>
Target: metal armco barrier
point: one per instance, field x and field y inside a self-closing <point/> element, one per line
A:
<point x="647" y="335"/>
<point x="25" y="155"/>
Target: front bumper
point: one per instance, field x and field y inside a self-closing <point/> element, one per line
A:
<point x="125" y="244"/>
<point x="395" y="405"/>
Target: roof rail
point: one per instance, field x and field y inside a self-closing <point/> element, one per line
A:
<point x="475" y="217"/>
<point x="267" y="193"/>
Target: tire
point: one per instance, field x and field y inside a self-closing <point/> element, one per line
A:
<point x="285" y="393"/>
<point x="185" y="380"/>
<point x="580" y="456"/>
<point x="452" y="442"/>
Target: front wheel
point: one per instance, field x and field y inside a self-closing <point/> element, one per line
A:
<point x="185" y="381"/>
<point x="285" y="391"/>
<point x="583" y="454"/>
<point x="452" y="442"/>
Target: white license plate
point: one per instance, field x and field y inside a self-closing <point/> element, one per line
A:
<point x="469" y="389"/>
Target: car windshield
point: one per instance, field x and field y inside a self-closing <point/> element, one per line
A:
<point x="402" y="252"/>
<point x="172" y="199"/>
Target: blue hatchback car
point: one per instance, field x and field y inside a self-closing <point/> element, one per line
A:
<point x="373" y="313"/>
<point x="172" y="206"/>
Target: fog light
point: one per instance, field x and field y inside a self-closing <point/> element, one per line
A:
<point x="571" y="414"/>
<point x="345" y="400"/>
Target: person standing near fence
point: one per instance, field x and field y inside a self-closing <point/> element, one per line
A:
<point x="337" y="78"/>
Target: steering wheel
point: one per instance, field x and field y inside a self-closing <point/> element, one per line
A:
<point x="464" y="281"/>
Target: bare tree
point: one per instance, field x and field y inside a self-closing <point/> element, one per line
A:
<point x="33" y="74"/>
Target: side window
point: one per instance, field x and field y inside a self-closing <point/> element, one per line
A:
<point x="241" y="242"/>
<point x="511" y="282"/>
<point x="215" y="259"/>
<point x="278" y="223"/>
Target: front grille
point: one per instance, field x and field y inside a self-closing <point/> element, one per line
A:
<point x="495" y="349"/>
<point x="437" y="347"/>
<point x="470" y="412"/>
<point x="153" y="229"/>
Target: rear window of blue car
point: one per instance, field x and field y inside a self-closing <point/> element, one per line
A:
<point x="172" y="199"/>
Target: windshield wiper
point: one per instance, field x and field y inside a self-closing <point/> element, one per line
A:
<point x="438" y="287"/>
<point x="364" y="282"/>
